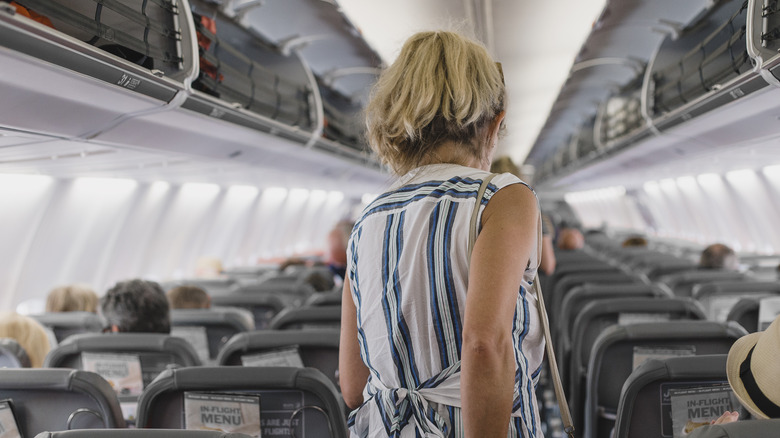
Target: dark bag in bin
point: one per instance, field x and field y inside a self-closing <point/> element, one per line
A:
<point x="228" y="72"/>
<point x="145" y="32"/>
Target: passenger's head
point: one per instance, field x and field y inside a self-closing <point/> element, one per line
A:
<point x="29" y="333"/>
<point x="188" y="297"/>
<point x="570" y="238"/>
<point x="72" y="298"/>
<point x="505" y="164"/>
<point x="442" y="89"/>
<point x="635" y="242"/>
<point x="136" y="306"/>
<point x="208" y="267"/>
<point x="338" y="239"/>
<point x="753" y="371"/>
<point x="719" y="256"/>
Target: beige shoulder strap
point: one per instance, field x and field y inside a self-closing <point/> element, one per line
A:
<point x="474" y="224"/>
<point x="568" y="425"/>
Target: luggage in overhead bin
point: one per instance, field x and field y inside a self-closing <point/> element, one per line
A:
<point x="240" y="68"/>
<point x="144" y="32"/>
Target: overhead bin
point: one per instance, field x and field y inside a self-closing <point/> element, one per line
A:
<point x="142" y="73"/>
<point x="241" y="68"/>
<point x="620" y="114"/>
<point x="706" y="66"/>
<point x="343" y="119"/>
<point x="726" y="58"/>
<point x="72" y="77"/>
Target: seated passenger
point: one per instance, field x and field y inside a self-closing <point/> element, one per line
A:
<point x="29" y="333"/>
<point x="634" y="242"/>
<point x="335" y="259"/>
<point x="719" y="256"/>
<point x="754" y="375"/>
<point x="136" y="306"/>
<point x="570" y="239"/>
<point x="188" y="297"/>
<point x="72" y="298"/>
<point x="338" y="239"/>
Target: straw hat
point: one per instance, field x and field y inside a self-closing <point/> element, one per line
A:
<point x="757" y="382"/>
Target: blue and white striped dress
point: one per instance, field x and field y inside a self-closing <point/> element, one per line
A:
<point x="408" y="269"/>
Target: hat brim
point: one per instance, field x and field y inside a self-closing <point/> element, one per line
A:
<point x="737" y="355"/>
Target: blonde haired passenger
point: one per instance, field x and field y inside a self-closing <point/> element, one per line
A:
<point x="427" y="326"/>
<point x="29" y="333"/>
<point x="72" y="298"/>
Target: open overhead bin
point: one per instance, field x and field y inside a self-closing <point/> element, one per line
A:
<point x="144" y="73"/>
<point x="717" y="60"/>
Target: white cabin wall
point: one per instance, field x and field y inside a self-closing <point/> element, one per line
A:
<point x="100" y="231"/>
<point x="739" y="209"/>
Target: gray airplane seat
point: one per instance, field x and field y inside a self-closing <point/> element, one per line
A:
<point x="311" y="317"/>
<point x="682" y="283"/>
<point x="59" y="399"/>
<point x="291" y="290"/>
<point x="622" y="348"/>
<point x="303" y="348"/>
<point x="64" y="324"/>
<point x="745" y="313"/>
<point x="645" y="410"/>
<point x="262" y="306"/>
<point x="579" y="296"/>
<point x="720" y="296"/>
<point x="299" y="400"/>
<point x="213" y="286"/>
<point x="208" y="330"/>
<point x="325" y="299"/>
<point x="557" y="293"/>
<point x="140" y="433"/>
<point x="155" y="351"/>
<point x="661" y="268"/>
<point x="740" y="429"/>
<point x="12" y="355"/>
<point x="598" y="316"/>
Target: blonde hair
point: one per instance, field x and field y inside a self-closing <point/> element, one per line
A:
<point x="29" y="333"/>
<point x="72" y="298"/>
<point x="443" y="87"/>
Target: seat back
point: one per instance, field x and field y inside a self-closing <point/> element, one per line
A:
<point x="314" y="348"/>
<point x="65" y="324"/>
<point x="598" y="316"/>
<point x="745" y="313"/>
<point x="12" y="355"/>
<point x="740" y="429"/>
<point x="618" y="351"/>
<point x="140" y="433"/>
<point x="720" y="296"/>
<point x="644" y="409"/>
<point x="292" y="292"/>
<point x="58" y="399"/>
<point x="325" y="299"/>
<point x="301" y="397"/>
<point x="318" y="317"/>
<point x="208" y="330"/>
<point x="146" y="353"/>
<point x="565" y="284"/>
<point x="263" y="306"/>
<point x="682" y="283"/>
<point x="213" y="286"/>
<point x="581" y="295"/>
